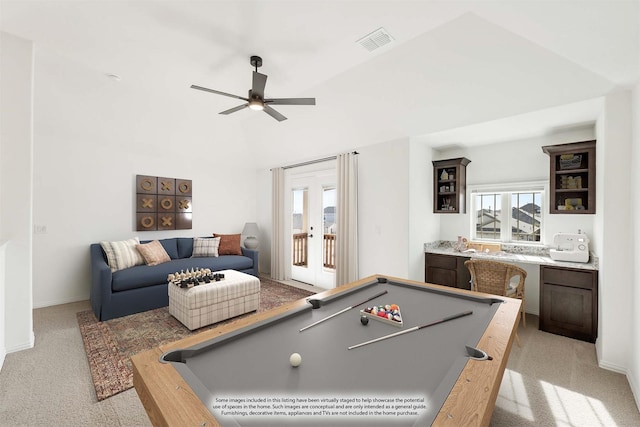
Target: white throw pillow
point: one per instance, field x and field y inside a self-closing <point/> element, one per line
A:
<point x="122" y="254"/>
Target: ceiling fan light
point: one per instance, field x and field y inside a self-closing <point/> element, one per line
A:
<point x="256" y="104"/>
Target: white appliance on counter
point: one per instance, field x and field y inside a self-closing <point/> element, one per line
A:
<point x="573" y="247"/>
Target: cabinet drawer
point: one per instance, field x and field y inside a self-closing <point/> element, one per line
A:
<point x="442" y="261"/>
<point x="566" y="277"/>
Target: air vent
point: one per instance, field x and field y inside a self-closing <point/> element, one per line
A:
<point x="375" y="40"/>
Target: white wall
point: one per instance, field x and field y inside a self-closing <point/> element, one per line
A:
<point x="383" y="209"/>
<point x="3" y="264"/>
<point x="612" y="233"/>
<point x="264" y="219"/>
<point x="16" y="183"/>
<point x="424" y="225"/>
<point x="633" y="373"/>
<point x="92" y="135"/>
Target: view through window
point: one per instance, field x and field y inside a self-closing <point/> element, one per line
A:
<point x="508" y="216"/>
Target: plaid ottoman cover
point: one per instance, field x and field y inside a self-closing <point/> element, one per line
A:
<point x="202" y="305"/>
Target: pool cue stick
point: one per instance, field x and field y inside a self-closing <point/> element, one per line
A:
<point x="346" y="309"/>
<point x="415" y="328"/>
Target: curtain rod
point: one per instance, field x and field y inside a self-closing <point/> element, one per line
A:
<point x="311" y="162"/>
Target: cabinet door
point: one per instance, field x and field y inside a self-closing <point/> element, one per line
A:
<point x="567" y="311"/>
<point x="447" y="270"/>
<point x="464" y="276"/>
<point x="441" y="276"/>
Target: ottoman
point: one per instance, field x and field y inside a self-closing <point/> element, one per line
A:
<point x="202" y="305"/>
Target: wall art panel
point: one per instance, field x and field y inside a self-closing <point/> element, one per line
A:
<point x="163" y="203"/>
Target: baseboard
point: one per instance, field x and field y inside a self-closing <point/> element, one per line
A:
<point x="613" y="367"/>
<point x="634" y="388"/>
<point x="42" y="304"/>
<point x="23" y="346"/>
<point x="3" y="355"/>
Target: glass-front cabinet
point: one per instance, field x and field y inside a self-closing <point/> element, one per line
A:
<point x="572" y="177"/>
<point x="450" y="185"/>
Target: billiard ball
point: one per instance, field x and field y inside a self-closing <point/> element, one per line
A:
<point x="364" y="320"/>
<point x="295" y="359"/>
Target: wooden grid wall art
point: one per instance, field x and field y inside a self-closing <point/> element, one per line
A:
<point x="163" y="203"/>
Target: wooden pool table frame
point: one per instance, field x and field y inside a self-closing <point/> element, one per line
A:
<point x="169" y="401"/>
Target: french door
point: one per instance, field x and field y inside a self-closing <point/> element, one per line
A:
<point x="311" y="226"/>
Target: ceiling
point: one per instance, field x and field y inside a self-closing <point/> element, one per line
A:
<point x="452" y="64"/>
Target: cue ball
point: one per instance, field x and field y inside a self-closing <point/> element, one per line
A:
<point x="364" y="320"/>
<point x="295" y="359"/>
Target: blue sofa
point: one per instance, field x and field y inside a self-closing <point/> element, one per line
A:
<point x="143" y="287"/>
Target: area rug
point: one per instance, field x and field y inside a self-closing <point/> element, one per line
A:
<point x="109" y="345"/>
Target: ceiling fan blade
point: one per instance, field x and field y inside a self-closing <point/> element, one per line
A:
<point x="234" y="109"/>
<point x="291" y="101"/>
<point x="218" y="92"/>
<point x="273" y="113"/>
<point x="259" y="82"/>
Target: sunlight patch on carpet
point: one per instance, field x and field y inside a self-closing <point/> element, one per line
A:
<point x="570" y="408"/>
<point x="513" y="395"/>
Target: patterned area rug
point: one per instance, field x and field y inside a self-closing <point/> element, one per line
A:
<point x="109" y="345"/>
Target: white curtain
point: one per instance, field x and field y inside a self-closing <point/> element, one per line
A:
<point x="277" y="234"/>
<point x="347" y="219"/>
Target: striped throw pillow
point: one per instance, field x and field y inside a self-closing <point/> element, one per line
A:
<point x="122" y="254"/>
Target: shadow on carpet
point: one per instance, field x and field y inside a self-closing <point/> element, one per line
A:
<point x="109" y="345"/>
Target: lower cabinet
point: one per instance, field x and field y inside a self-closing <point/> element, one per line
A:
<point x="569" y="302"/>
<point x="447" y="270"/>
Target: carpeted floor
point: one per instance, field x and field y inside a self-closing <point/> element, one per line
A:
<point x="109" y="345"/>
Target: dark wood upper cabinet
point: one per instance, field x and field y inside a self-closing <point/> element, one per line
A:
<point x="572" y="178"/>
<point x="450" y="185"/>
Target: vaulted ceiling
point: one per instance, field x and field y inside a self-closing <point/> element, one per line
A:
<point x="452" y="64"/>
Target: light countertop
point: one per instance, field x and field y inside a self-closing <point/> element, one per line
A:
<point x="509" y="253"/>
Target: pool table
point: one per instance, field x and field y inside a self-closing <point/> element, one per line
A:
<point x="240" y="374"/>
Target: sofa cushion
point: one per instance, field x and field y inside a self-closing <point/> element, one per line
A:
<point x="229" y="244"/>
<point x="153" y="253"/>
<point x="171" y="246"/>
<point x="122" y="254"/>
<point x="205" y="247"/>
<point x="185" y="247"/>
<point x="146" y="275"/>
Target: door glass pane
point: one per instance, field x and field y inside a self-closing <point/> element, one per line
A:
<point x="299" y="226"/>
<point x="525" y="216"/>
<point x="329" y="227"/>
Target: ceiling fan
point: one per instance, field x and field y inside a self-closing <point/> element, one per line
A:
<point x="256" y="99"/>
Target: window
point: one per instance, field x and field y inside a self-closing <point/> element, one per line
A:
<point x="507" y="215"/>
